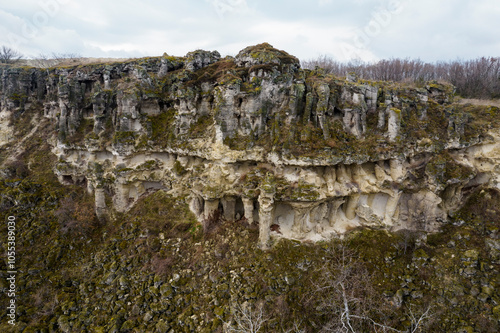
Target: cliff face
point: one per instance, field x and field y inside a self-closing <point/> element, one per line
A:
<point x="302" y="153"/>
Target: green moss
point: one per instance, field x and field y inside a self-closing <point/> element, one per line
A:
<point x="443" y="169"/>
<point x="224" y="72"/>
<point x="178" y="169"/>
<point x="150" y="165"/>
<point x="201" y="127"/>
<point x="238" y="142"/>
<point x="395" y="110"/>
<point x="18" y="98"/>
<point x="482" y="211"/>
<point x="124" y="137"/>
<point x="121" y="170"/>
<point x="304" y="192"/>
<point x="213" y="191"/>
<point x="480" y="119"/>
<point x="91" y="136"/>
<point x="85" y="129"/>
<point x="266" y="53"/>
<point x="162" y="127"/>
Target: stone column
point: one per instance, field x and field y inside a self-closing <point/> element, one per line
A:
<point x="196" y="205"/>
<point x="318" y="215"/>
<point x="380" y="171"/>
<point x="211" y="205"/>
<point x="120" y="199"/>
<point x="323" y="91"/>
<point x="248" y="206"/>
<point x="334" y="206"/>
<point x="391" y="207"/>
<point x="100" y="203"/>
<point x="266" y="217"/>
<point x="394" y="123"/>
<point x="330" y="177"/>
<point x="229" y="206"/>
<point x="301" y="214"/>
<point x="350" y="207"/>
<point x="342" y="174"/>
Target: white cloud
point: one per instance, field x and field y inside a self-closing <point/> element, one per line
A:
<point x="431" y="30"/>
<point x="306" y="40"/>
<point x="325" y="2"/>
<point x="224" y="7"/>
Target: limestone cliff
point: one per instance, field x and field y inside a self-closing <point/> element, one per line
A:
<point x="305" y="154"/>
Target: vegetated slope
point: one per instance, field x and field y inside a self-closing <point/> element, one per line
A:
<point x="154" y="270"/>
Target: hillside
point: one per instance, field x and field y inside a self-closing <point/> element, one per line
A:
<point x="175" y="194"/>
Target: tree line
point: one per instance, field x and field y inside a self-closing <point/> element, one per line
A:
<point x="476" y="78"/>
<point x="10" y="56"/>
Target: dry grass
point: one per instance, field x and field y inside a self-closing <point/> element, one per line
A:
<point x="69" y="62"/>
<point x="475" y="101"/>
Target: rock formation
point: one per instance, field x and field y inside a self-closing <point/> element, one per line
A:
<point x="257" y="137"/>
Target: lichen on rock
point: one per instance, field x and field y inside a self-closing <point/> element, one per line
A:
<point x="258" y="137"/>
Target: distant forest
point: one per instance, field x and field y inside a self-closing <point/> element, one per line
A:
<point x="477" y="78"/>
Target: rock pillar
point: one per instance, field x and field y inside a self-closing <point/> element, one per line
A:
<point x="248" y="206"/>
<point x="211" y="206"/>
<point x="352" y="204"/>
<point x="229" y="206"/>
<point x="301" y="216"/>
<point x="333" y="210"/>
<point x="266" y="217"/>
<point x="100" y="203"/>
<point x="394" y="123"/>
<point x="391" y="207"/>
<point x="197" y="206"/>
<point x="120" y="199"/>
<point x="266" y="210"/>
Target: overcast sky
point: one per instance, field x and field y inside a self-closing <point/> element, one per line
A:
<point x="344" y="29"/>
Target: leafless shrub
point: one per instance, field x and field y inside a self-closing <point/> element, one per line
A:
<point x="246" y="318"/>
<point x="9" y="55"/>
<point x="346" y="296"/>
<point x="65" y="56"/>
<point x="419" y="319"/>
<point x="18" y="169"/>
<point x="45" y="300"/>
<point x="406" y="241"/>
<point x="295" y="328"/>
<point x="45" y="61"/>
<point x="161" y="266"/>
<point x="76" y="217"/>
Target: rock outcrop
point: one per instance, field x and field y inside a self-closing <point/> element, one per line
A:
<point x="302" y="153"/>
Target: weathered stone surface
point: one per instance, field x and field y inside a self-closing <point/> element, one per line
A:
<point x="257" y="137"/>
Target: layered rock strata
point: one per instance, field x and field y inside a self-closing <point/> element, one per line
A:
<point x="303" y="154"/>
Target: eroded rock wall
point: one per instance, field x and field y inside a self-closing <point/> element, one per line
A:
<point x="304" y="154"/>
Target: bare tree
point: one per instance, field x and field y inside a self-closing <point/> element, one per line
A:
<point x="65" y="56"/>
<point x="44" y="61"/>
<point x="477" y="78"/>
<point x="346" y="296"/>
<point x="247" y="318"/>
<point x="296" y="327"/>
<point x="9" y="55"/>
<point x="418" y="320"/>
